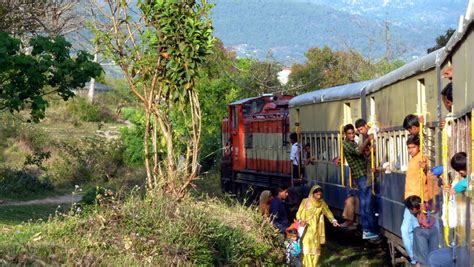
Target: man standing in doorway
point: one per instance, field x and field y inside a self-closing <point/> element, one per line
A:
<point x="358" y="165"/>
<point x="296" y="170"/>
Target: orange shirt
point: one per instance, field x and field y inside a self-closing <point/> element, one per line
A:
<point x="412" y="180"/>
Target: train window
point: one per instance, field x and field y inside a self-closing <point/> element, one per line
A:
<point x="347" y="113"/>
<point x="404" y="152"/>
<point x="234" y="118"/>
<point x="318" y="155"/>
<point x="329" y="154"/>
<point x="372" y="108"/>
<point x="246" y="108"/>
<point x="248" y="136"/>
<point x="257" y="106"/>
<point x="431" y="145"/>
<point x="313" y="146"/>
<point x="335" y="148"/>
<point x="421" y="93"/>
<point x="378" y="150"/>
<point x="324" y="155"/>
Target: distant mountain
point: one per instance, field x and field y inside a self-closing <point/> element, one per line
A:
<point x="289" y="27"/>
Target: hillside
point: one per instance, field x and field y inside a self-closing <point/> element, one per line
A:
<point x="290" y="27"/>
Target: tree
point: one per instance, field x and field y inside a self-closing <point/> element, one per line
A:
<point x="27" y="78"/>
<point x="442" y="40"/>
<point x="258" y="77"/>
<point x="44" y="17"/>
<point x="219" y="83"/>
<point x="326" y="68"/>
<point x="159" y="45"/>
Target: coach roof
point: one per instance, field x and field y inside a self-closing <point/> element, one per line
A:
<point x="413" y="68"/>
<point x="347" y="91"/>
<point x="242" y="101"/>
<point x="458" y="36"/>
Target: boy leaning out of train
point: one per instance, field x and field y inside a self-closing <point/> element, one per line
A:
<point x="425" y="235"/>
<point x="459" y="164"/>
<point x="411" y="123"/>
<point x="444" y="257"/>
<point x="414" y="179"/>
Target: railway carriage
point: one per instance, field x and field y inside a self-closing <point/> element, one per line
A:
<point x="459" y="55"/>
<point x="260" y="150"/>
<point x="383" y="102"/>
<point x="256" y="132"/>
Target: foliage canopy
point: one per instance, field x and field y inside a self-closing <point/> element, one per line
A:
<point x="160" y="50"/>
<point x="47" y="68"/>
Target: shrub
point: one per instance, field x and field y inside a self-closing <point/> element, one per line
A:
<point x="97" y="195"/>
<point x="80" y="109"/>
<point x="133" y="137"/>
<point x="121" y="95"/>
<point x="22" y="182"/>
<point x="9" y="126"/>
<point x="88" y="159"/>
<point x="33" y="136"/>
<point x="150" y="232"/>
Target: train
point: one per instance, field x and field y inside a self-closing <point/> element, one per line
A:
<point x="257" y="131"/>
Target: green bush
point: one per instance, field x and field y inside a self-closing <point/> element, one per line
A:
<point x="96" y="195"/>
<point x="91" y="159"/>
<point x="80" y="109"/>
<point x="33" y="136"/>
<point x="120" y="96"/>
<point x="9" y="126"/>
<point x="22" y="182"/>
<point x="154" y="231"/>
<point x="133" y="137"/>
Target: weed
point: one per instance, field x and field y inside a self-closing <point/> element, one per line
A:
<point x="148" y="231"/>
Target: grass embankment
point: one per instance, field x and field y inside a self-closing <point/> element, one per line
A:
<point x="154" y="231"/>
<point x="14" y="215"/>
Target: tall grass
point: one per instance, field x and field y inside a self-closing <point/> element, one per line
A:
<point x="151" y="231"/>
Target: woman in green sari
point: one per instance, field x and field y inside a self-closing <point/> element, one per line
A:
<point x="310" y="214"/>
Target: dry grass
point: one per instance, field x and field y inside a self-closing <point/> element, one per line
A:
<point x="150" y="231"/>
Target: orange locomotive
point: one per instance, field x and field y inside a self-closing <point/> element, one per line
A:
<point x="257" y="147"/>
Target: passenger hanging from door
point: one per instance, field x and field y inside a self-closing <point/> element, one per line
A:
<point x="445" y="256"/>
<point x="411" y="123"/>
<point x="358" y="165"/>
<point x="297" y="170"/>
<point x="447" y="92"/>
<point x="417" y="184"/>
<point x="447" y="95"/>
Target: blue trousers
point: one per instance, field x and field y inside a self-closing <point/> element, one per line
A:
<point x="424" y="241"/>
<point x="410" y="222"/>
<point x="441" y="258"/>
<point x="365" y="201"/>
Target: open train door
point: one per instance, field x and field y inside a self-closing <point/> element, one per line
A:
<point x="460" y="236"/>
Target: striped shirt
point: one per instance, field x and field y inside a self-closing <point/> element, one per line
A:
<point x="355" y="159"/>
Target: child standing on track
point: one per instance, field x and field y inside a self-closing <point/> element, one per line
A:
<point x="293" y="247"/>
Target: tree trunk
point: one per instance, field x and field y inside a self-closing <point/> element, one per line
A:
<point x="149" y="173"/>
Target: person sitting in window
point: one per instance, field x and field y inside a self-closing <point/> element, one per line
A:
<point x="308" y="160"/>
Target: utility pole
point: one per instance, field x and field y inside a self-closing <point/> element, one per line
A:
<point x="90" y="94"/>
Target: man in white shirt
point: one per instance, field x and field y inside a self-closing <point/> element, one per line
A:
<point x="294" y="157"/>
